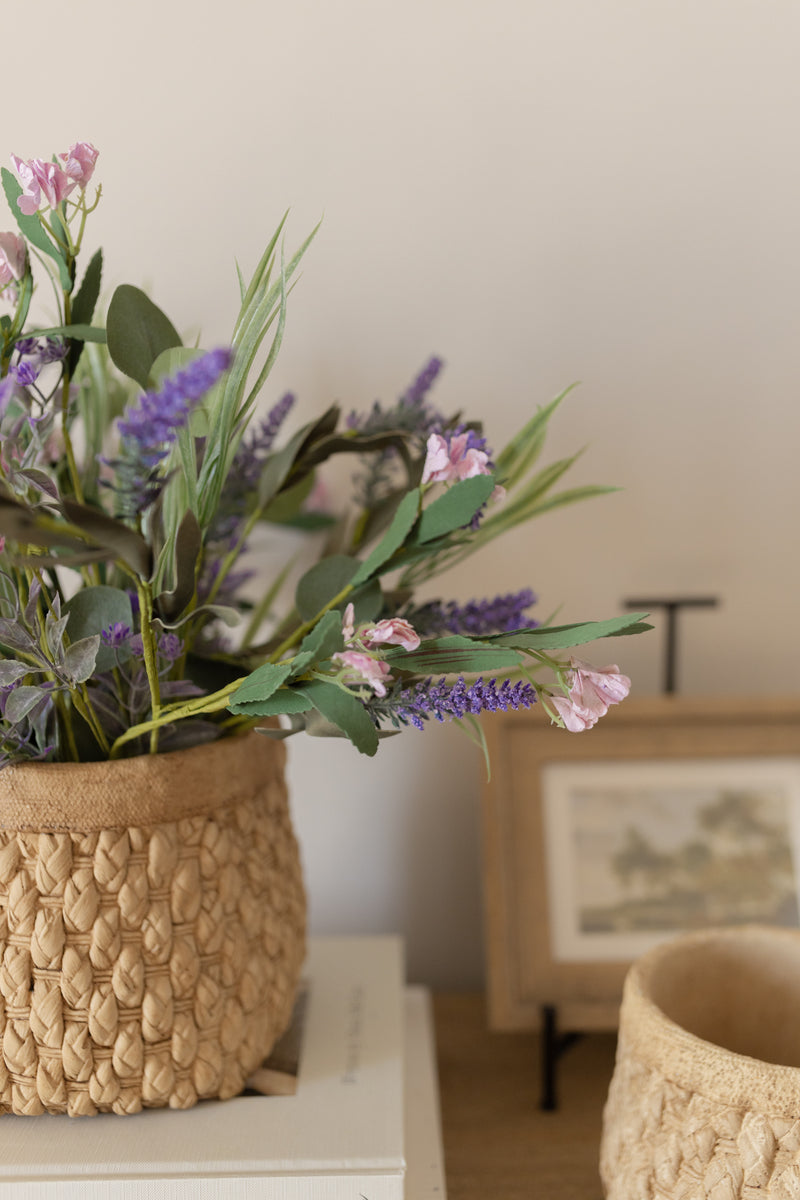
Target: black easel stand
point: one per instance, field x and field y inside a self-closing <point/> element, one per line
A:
<point x="553" y="1046"/>
<point x="553" y="1043"/>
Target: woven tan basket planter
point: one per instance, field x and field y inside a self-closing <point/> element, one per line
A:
<point x="705" y="1099"/>
<point x="152" y="920"/>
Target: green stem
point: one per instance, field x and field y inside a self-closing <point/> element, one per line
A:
<point x="150" y="661"/>
<point x="307" y="626"/>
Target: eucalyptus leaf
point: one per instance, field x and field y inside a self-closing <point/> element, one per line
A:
<point x="93" y="609"/>
<point x="323" y="582"/>
<point x="455" y="508"/>
<point x="137" y="332"/>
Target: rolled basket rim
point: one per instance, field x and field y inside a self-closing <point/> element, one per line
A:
<point x="689" y="1061"/>
<point x="146" y="789"/>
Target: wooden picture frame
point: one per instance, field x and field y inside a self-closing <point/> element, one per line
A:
<point x="701" y="736"/>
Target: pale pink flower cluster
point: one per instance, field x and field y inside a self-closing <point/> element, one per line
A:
<point x="13" y="257"/>
<point x="449" y="460"/>
<point x="365" y="668"/>
<point x="45" y="184"/>
<point x="592" y="691"/>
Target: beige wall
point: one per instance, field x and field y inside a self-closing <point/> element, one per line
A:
<point x="603" y="190"/>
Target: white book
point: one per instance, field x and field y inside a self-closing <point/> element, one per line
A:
<point x="340" y="1136"/>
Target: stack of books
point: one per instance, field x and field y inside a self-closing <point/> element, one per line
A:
<point x="351" y="1110"/>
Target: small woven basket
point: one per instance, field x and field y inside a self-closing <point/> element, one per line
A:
<point x="152" y="921"/>
<point x="705" y="1099"/>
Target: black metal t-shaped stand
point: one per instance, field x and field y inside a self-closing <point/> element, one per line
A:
<point x="554" y="1043"/>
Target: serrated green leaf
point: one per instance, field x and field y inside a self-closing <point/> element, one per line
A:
<point x="32" y="229"/>
<point x="93" y="609"/>
<point x="560" y="637"/>
<point x="325" y="580"/>
<point x="402" y="524"/>
<point x="324" y="640"/>
<point x="258" y="687"/>
<point x="137" y="332"/>
<point x="283" y="702"/>
<point x="455" y="508"/>
<point x="346" y="712"/>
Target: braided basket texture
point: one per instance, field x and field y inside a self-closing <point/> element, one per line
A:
<point x="152" y="920"/>
<point x="705" y="1099"/>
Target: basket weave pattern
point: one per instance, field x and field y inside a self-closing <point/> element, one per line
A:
<point x="145" y="964"/>
<point x="688" y="1118"/>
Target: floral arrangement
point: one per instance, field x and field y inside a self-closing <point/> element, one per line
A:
<point x="133" y="472"/>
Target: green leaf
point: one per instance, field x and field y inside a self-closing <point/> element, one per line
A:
<point x="187" y="547"/>
<point x="112" y="535"/>
<point x="84" y="303"/>
<point x="21" y="701"/>
<point x="346" y="712"/>
<point x="85" y="299"/>
<point x="323" y="582"/>
<point x="12" y="670"/>
<point x="455" y="653"/>
<point x="81" y="657"/>
<point x="138" y="331"/>
<point x="455" y="508"/>
<point x="93" y="609"/>
<point x="283" y="702"/>
<point x="32" y="229"/>
<point x="81" y="333"/>
<point x="560" y="637"/>
<point x="402" y="524"/>
<point x="279" y="465"/>
<point x="324" y="640"/>
<point x="258" y="687"/>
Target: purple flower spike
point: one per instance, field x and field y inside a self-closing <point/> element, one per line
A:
<point x="443" y="701"/>
<point x="150" y="427"/>
<point x="116" y="634"/>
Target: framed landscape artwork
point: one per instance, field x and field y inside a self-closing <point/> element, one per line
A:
<point x="672" y="814"/>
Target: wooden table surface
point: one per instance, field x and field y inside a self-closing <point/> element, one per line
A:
<point x="498" y="1144"/>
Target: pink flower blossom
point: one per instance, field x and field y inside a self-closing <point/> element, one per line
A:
<point x="42" y="184"/>
<point x="79" y="162"/>
<point x="348" y="628"/>
<point x="451" y="460"/>
<point x="592" y="691"/>
<point x="13" y="257"/>
<point x="363" y="668"/>
<point x="393" y="632"/>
